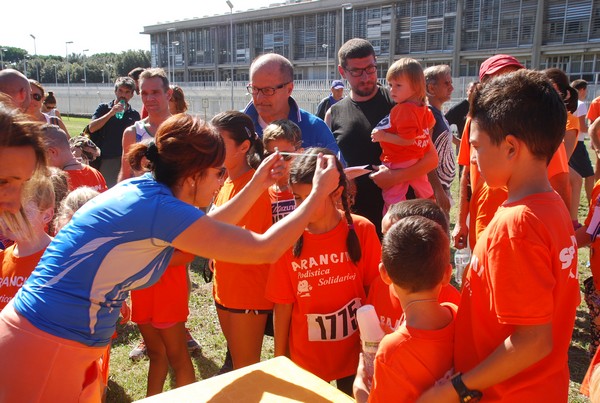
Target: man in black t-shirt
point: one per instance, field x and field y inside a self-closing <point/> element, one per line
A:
<point x="107" y="129"/>
<point x="353" y="118"/>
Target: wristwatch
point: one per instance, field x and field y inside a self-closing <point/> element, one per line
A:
<point x="465" y="395"/>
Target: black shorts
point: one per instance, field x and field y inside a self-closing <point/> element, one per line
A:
<point x="580" y="161"/>
<point x="244" y="311"/>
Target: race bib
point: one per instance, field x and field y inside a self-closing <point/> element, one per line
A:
<point x="335" y="325"/>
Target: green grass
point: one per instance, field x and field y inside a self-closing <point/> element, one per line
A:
<point x="127" y="380"/>
<point x="74" y="125"/>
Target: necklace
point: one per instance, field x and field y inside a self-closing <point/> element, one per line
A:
<point x="417" y="301"/>
<point x="71" y="165"/>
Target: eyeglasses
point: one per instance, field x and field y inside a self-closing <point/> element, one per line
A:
<point x="267" y="91"/>
<point x="359" y="72"/>
<point x="37" y="97"/>
<point x="286" y="157"/>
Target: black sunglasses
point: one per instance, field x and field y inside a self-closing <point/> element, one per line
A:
<point x="37" y="97"/>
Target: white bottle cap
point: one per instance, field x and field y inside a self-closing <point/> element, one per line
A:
<point x="368" y="324"/>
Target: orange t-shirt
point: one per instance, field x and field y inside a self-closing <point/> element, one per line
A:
<point x="523" y="272"/>
<point x="595" y="245"/>
<point x="594" y="110"/>
<point x="326" y="288"/>
<point x="573" y="124"/>
<point x="165" y="301"/>
<point x="242" y="286"/>
<point x="585" y="385"/>
<point x="411" y="122"/>
<point x="387" y="305"/>
<point x="14" y="272"/>
<point x="485" y="201"/>
<point x="88" y="176"/>
<point x="410" y="361"/>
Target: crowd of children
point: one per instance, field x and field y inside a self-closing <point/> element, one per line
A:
<point x="304" y="263"/>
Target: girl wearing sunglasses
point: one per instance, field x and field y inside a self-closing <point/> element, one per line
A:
<point x="239" y="288"/>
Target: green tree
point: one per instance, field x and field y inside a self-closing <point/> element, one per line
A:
<point x="131" y="59"/>
<point x="53" y="69"/>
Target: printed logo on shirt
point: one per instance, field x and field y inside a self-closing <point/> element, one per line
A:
<point x="304" y="288"/>
<point x="423" y="140"/>
<point x="386" y="321"/>
<point x="321" y="260"/>
<point x="280" y="209"/>
<point x="567" y="255"/>
<point x="12" y="281"/>
<point x="474" y="266"/>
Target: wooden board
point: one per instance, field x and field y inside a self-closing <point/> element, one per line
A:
<point x="276" y="380"/>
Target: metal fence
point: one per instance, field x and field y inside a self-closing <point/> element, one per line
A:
<point x="209" y="98"/>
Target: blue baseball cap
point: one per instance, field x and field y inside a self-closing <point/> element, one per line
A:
<point x="337" y="84"/>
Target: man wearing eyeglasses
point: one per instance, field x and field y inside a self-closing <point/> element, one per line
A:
<point x="353" y="118"/>
<point x="271" y="86"/>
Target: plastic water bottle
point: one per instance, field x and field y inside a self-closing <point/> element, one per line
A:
<point x="371" y="334"/>
<point x="462" y="258"/>
<point x="119" y="115"/>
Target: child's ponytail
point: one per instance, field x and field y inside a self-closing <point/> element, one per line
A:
<point x="352" y="242"/>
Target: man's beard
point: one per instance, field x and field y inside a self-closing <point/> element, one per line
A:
<point x="366" y="89"/>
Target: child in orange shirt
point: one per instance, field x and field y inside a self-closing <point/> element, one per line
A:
<point x="404" y="133"/>
<point x="587" y="235"/>
<point x="415" y="260"/>
<point x="285" y="136"/>
<point x="382" y="295"/>
<point x="517" y="308"/>
<point x="318" y="285"/>
<point x="18" y="260"/>
<point x="239" y="289"/>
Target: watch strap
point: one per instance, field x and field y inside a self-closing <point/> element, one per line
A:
<point x="465" y="395"/>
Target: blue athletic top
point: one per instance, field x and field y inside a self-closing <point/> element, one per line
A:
<point x="118" y="241"/>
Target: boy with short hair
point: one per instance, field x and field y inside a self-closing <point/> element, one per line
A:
<point x="415" y="259"/>
<point x="382" y="295"/>
<point x="518" y="304"/>
<point x="284" y="136"/>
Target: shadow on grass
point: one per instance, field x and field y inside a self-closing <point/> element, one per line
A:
<point x="579" y="361"/>
<point x="579" y="358"/>
<point x="116" y="394"/>
<point x="207" y="368"/>
<point x="127" y="334"/>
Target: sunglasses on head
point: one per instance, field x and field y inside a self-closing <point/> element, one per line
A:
<point x="37" y="97"/>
